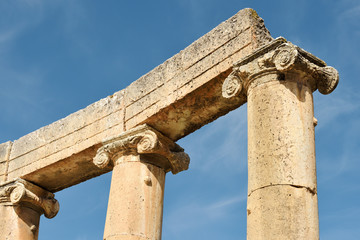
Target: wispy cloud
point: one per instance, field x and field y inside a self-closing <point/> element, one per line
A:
<point x="74" y="18"/>
<point x="346" y="160"/>
<point x="8" y="35"/>
<point x="194" y="214"/>
<point x="22" y="90"/>
<point x="339" y="116"/>
<point x="329" y="109"/>
<point x="347" y="33"/>
<point x="224" y="146"/>
<point x="349" y="219"/>
<point x="351" y="14"/>
<point x="22" y="80"/>
<point x="225" y="203"/>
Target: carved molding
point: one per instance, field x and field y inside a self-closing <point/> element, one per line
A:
<point x="143" y="140"/>
<point x="281" y="57"/>
<point x="232" y="85"/>
<point x="21" y="192"/>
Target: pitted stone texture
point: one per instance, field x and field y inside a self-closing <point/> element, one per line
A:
<point x="281" y="152"/>
<point x="136" y="201"/>
<point x="58" y="143"/>
<point x="278" y="80"/>
<point x="176" y="98"/>
<point x="18" y="223"/>
<point x="5" y="149"/>
<point x="23" y="193"/>
<point x="281" y="142"/>
<point x="282" y="212"/>
<point x="232" y="35"/>
<point x="282" y="57"/>
<point x="140" y="158"/>
<point x="143" y="140"/>
<point x="21" y="204"/>
<point x="166" y="101"/>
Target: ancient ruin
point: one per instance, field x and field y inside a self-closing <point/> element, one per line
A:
<point x="133" y="134"/>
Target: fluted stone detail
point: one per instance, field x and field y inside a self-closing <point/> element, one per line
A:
<point x="281" y="57"/>
<point x="21" y="192"/>
<point x="143" y="140"/>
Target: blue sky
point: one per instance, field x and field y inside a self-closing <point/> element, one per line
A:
<point x="59" y="56"/>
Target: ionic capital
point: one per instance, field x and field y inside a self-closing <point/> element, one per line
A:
<point x="143" y="140"/>
<point x="24" y="193"/>
<point x="282" y="58"/>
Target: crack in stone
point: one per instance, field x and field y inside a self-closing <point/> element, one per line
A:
<point x="7" y="158"/>
<point x="313" y="191"/>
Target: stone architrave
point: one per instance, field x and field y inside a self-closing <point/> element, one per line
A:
<point x="279" y="80"/>
<point x="176" y="98"/>
<point x="140" y="159"/>
<point x="21" y="205"/>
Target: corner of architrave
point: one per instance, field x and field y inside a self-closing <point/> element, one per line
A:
<point x="5" y="150"/>
<point x="260" y="34"/>
<point x="123" y="110"/>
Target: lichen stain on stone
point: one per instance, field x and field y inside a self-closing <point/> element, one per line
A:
<point x="254" y="14"/>
<point x="248" y="212"/>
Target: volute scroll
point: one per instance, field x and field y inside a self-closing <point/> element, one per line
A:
<point x="24" y="193"/>
<point x="281" y="57"/>
<point x="142" y="140"/>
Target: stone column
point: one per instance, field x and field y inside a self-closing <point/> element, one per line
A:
<point x="21" y="204"/>
<point x="278" y="80"/>
<point x="140" y="159"/>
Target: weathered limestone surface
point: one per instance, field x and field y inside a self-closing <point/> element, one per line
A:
<point x="136" y="198"/>
<point x="283" y="110"/>
<point x="281" y="212"/>
<point x="176" y="98"/>
<point x="281" y="160"/>
<point x="133" y="131"/>
<point x="279" y="80"/>
<point x="21" y="204"/>
<point x="140" y="159"/>
<point x="63" y="150"/>
<point x="5" y="149"/>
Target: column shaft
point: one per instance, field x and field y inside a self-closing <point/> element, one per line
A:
<point x="136" y="200"/>
<point x="278" y="80"/>
<point x="18" y="222"/>
<point x="21" y="205"/>
<point x="140" y="158"/>
<point x="282" y="196"/>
